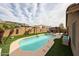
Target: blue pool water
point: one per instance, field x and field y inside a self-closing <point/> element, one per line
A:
<point x="34" y="43"/>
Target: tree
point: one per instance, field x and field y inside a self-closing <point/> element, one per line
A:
<point x="61" y="26"/>
<point x="34" y="30"/>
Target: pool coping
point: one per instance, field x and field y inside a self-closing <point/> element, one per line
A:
<point x="40" y="52"/>
<point x="15" y="43"/>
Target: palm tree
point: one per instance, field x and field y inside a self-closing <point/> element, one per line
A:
<point x="11" y="32"/>
<point x="1" y="33"/>
<point x="34" y="30"/>
<point x="9" y="26"/>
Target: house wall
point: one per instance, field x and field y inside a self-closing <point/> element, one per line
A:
<point x="74" y="18"/>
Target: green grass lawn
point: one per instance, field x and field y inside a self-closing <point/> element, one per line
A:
<point x="6" y="45"/>
<point x="58" y="49"/>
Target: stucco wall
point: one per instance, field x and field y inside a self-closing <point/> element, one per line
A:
<point x="6" y="33"/>
<point x="22" y="30"/>
<point x="74" y="17"/>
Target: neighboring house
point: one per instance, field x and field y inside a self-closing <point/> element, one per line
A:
<point x="72" y="23"/>
<point x="57" y="30"/>
<point x="54" y="29"/>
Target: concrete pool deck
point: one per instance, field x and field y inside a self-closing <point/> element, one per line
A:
<point x="15" y="51"/>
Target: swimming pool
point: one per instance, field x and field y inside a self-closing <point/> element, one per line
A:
<point x="34" y="43"/>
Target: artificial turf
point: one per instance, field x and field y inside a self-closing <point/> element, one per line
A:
<point x="58" y="49"/>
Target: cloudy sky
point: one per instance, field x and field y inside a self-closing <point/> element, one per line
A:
<point x="50" y="14"/>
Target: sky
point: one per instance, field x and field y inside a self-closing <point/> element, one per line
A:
<point x="49" y="14"/>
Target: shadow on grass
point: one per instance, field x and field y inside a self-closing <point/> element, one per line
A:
<point x="58" y="49"/>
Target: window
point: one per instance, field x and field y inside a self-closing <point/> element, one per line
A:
<point x="17" y="31"/>
<point x="74" y="33"/>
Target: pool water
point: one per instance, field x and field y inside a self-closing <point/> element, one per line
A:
<point x="34" y="43"/>
<point x="65" y="37"/>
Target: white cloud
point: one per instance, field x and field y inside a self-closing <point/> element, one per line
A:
<point x="55" y="16"/>
<point x="48" y="14"/>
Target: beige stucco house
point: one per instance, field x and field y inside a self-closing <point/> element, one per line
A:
<point x="72" y="23"/>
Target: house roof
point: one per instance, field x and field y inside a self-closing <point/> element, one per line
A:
<point x="72" y="8"/>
